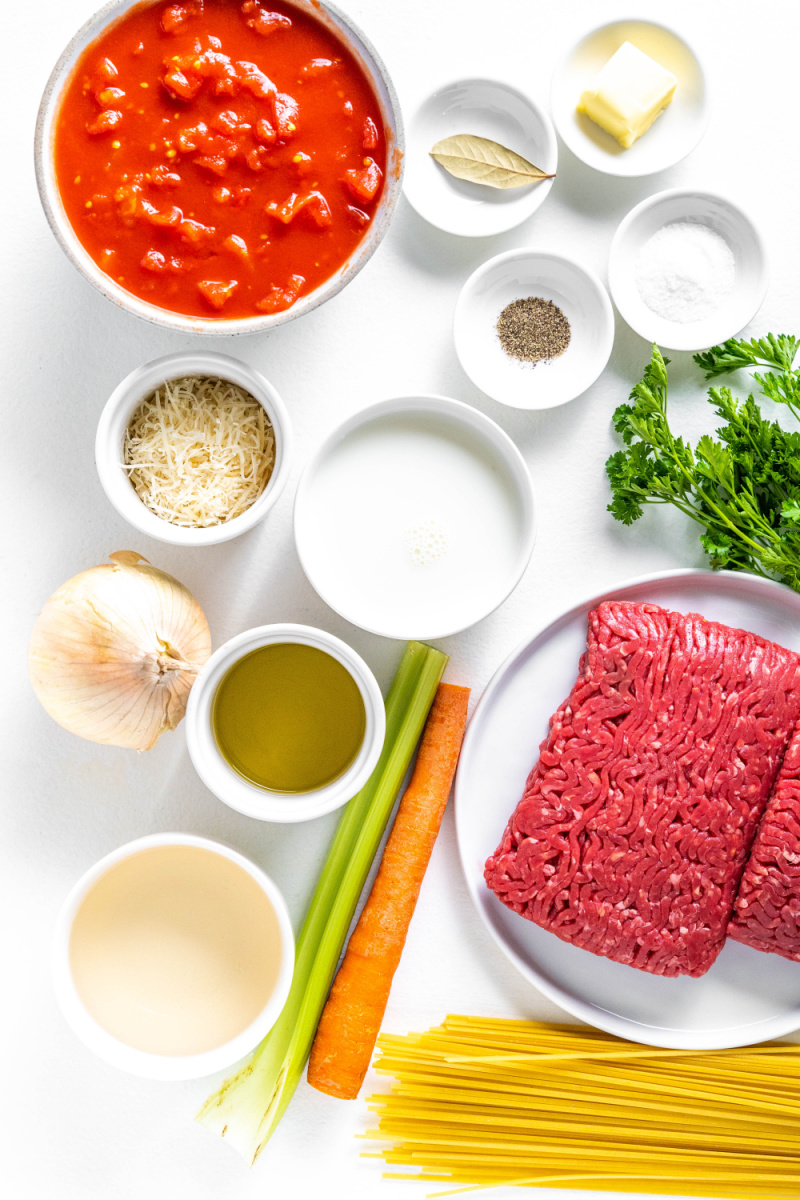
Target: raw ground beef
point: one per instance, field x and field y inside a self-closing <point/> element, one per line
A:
<point x="766" y="914"/>
<point x="634" y="827"/>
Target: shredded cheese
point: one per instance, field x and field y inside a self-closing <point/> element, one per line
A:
<point x="199" y="451"/>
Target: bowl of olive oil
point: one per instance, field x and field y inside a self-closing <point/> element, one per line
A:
<point x="285" y="723"/>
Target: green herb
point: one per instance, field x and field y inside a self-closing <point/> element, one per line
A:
<point x="249" y="1105"/>
<point x="744" y="486"/>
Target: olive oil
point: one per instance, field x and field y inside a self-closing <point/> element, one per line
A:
<point x="289" y="717"/>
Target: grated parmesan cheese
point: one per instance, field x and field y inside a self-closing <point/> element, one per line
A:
<point x="199" y="451"/>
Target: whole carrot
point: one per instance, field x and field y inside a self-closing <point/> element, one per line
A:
<point x="351" y="1019"/>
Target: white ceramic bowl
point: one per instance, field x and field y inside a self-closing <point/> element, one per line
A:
<point x="246" y="797"/>
<point x="726" y="219"/>
<point x="490" y="109"/>
<point x="118" y="411"/>
<point x="674" y="134"/>
<point x="415" y="517"/>
<point x="140" y="1062"/>
<point x="342" y="27"/>
<point x="512" y="276"/>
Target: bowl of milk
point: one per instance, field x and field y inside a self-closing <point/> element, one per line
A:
<point x="415" y="517"/>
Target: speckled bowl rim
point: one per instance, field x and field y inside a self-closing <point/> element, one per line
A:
<point x="372" y="65"/>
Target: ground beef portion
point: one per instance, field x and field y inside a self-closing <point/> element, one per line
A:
<point x="635" y="824"/>
<point x="766" y="914"/>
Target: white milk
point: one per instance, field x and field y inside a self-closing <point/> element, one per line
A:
<point x="412" y="525"/>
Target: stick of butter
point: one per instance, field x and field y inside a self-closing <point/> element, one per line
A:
<point x="628" y="94"/>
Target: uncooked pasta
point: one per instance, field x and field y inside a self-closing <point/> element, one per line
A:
<point x="480" y="1102"/>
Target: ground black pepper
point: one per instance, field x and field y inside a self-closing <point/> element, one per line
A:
<point x="533" y="329"/>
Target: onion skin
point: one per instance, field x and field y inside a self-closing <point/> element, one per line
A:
<point x="115" y="651"/>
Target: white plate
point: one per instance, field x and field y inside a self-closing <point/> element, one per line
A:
<point x="415" y="518"/>
<point x="674" y="133"/>
<point x="566" y="283"/>
<point x="747" y="996"/>
<point x="725" y="218"/>
<point x="490" y="109"/>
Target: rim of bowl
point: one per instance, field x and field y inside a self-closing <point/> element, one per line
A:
<point x="114" y="421"/>
<point x="233" y="789"/>
<point x="541" y="192"/>
<point x="630" y="219"/>
<point x="702" y="124"/>
<point x="142" y="1062"/>
<point x="375" y="70"/>
<point x="464" y="414"/>
<point x="465" y="298"/>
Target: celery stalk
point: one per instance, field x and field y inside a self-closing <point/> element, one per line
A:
<point x="249" y="1105"/>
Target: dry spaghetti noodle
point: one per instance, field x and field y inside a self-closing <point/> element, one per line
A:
<point x="481" y="1102"/>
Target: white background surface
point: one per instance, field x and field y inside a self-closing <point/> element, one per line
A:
<point x="69" y="1126"/>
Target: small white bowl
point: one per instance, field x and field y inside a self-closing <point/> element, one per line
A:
<point x="726" y="219"/>
<point x="118" y="411"/>
<point x="673" y="135"/>
<point x="141" y="1062"/>
<point x="515" y="275"/>
<point x="490" y="109"/>
<point x="366" y="56"/>
<point x="415" y="517"/>
<point x="237" y="792"/>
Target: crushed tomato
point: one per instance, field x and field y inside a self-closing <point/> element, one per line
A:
<point x="219" y="158"/>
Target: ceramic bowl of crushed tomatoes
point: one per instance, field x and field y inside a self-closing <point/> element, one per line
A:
<point x="219" y="166"/>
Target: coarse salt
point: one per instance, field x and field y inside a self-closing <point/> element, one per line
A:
<point x="685" y="271"/>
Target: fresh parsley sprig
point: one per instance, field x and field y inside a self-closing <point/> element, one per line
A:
<point x="771" y="351"/>
<point x="742" y="487"/>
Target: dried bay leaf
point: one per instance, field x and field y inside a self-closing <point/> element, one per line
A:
<point x="480" y="160"/>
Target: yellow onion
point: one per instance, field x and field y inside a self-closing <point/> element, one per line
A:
<point x="115" y="651"/>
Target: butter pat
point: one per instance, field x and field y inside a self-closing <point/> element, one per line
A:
<point x="628" y="94"/>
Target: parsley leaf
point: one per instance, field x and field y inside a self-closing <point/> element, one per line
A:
<point x="770" y="351"/>
<point x="742" y="486"/>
